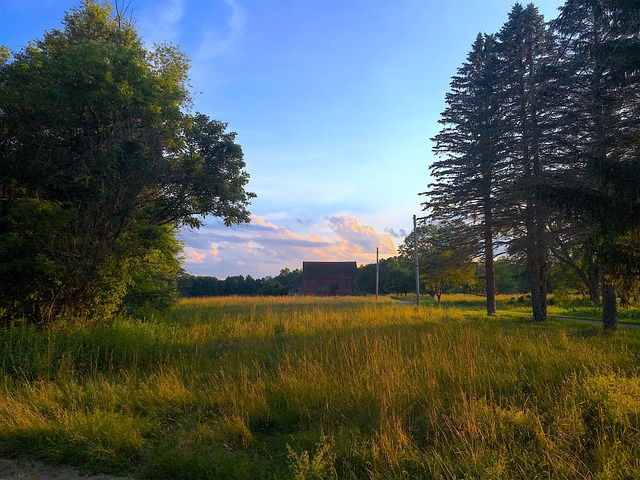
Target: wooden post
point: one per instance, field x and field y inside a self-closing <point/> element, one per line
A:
<point x="377" y="273"/>
<point x="415" y="258"/>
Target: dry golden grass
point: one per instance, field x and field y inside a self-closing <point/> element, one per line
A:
<point x="324" y="388"/>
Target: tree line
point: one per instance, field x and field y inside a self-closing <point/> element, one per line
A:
<point x="539" y="151"/>
<point x="396" y="276"/>
<point x="205" y="286"/>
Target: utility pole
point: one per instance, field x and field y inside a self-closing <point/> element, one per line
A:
<point x="415" y="256"/>
<point x="377" y="273"/>
<point x="415" y="259"/>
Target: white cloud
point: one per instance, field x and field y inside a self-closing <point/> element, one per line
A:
<point x="360" y="240"/>
<point x="263" y="248"/>
<point x="215" y="43"/>
<point x="162" y="23"/>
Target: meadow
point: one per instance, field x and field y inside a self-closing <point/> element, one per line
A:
<point x="323" y="388"/>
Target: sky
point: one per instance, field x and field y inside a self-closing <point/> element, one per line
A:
<point x="334" y="103"/>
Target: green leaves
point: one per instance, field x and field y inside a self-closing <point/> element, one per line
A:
<point x="93" y="124"/>
<point x="445" y="254"/>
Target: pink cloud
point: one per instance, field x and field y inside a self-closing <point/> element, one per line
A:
<point x="262" y="248"/>
<point x="191" y="255"/>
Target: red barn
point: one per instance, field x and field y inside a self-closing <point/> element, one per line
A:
<point x="330" y="278"/>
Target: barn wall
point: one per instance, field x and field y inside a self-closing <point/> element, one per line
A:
<point x="322" y="287"/>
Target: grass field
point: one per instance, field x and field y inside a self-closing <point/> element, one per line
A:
<point x="558" y="306"/>
<point x="284" y="388"/>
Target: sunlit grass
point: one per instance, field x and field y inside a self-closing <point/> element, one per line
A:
<point x="324" y="388"/>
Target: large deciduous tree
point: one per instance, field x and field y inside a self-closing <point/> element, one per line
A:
<point x="99" y="165"/>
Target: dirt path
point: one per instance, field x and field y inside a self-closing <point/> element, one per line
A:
<point x="26" y="470"/>
<point x="579" y="320"/>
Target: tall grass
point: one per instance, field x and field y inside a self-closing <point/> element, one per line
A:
<point x="323" y="388"/>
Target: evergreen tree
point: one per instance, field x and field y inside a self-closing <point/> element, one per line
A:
<point x="470" y="174"/>
<point x="525" y="49"/>
<point x="602" y="125"/>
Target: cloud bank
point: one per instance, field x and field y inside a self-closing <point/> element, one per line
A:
<point x="262" y="248"/>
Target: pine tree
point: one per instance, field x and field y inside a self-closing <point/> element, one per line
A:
<point x="467" y="177"/>
<point x="602" y="104"/>
<point x="525" y="49"/>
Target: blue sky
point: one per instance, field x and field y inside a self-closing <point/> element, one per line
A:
<point x="333" y="101"/>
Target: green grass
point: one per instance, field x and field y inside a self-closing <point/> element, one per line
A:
<point x="558" y="306"/>
<point x="324" y="388"/>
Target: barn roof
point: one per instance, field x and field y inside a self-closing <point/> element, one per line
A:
<point x="329" y="270"/>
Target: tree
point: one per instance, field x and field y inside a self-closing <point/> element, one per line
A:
<point x="367" y="278"/>
<point x="470" y="141"/>
<point x="605" y="96"/>
<point x="397" y="276"/>
<point x="525" y="48"/>
<point x="96" y="153"/>
<point x="445" y="255"/>
<point x="290" y="279"/>
<point x="511" y="276"/>
<point x="572" y="245"/>
<point x="152" y="285"/>
<point x="5" y="54"/>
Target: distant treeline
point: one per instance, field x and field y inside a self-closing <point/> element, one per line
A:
<point x="202" y="286"/>
<point x="396" y="277"/>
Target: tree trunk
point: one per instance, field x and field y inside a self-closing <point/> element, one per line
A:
<point x="594" y="278"/>
<point x="491" y="283"/>
<point x="488" y="257"/>
<point x="542" y="283"/>
<point x="541" y="260"/>
<point x="489" y="271"/>
<point x="539" y="311"/>
<point x="609" y="312"/>
<point x="536" y="267"/>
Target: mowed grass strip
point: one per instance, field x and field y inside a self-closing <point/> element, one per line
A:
<point x="323" y="388"/>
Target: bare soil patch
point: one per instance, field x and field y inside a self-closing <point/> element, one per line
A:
<point x="27" y="470"/>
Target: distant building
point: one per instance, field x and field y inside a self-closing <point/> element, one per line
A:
<point x="329" y="278"/>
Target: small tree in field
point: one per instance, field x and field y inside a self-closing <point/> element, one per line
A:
<point x="445" y="255"/>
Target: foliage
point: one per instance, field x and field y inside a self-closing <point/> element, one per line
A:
<point x="471" y="143"/>
<point x="99" y="166"/>
<point x="540" y="146"/>
<point x="204" y="286"/>
<point x="603" y="88"/>
<point x="525" y="54"/>
<point x="445" y="256"/>
<point x="153" y="281"/>
<point x="511" y="276"/>
<point x="395" y="277"/>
